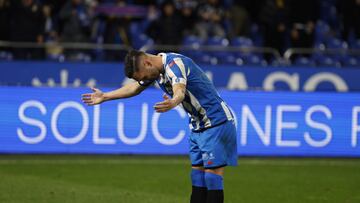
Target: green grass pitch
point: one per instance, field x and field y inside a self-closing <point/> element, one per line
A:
<point x="156" y="179"/>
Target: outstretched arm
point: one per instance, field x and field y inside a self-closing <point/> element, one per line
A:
<point x="98" y="97"/>
<point x="167" y="104"/>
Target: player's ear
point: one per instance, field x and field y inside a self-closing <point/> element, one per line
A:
<point x="147" y="62"/>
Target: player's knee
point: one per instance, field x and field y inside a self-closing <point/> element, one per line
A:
<point x="201" y="168"/>
<point x="213" y="181"/>
<point x="198" y="178"/>
<point x="219" y="171"/>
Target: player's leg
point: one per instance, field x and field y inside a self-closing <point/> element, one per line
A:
<point x="199" y="190"/>
<point x="218" y="147"/>
<point x="215" y="185"/>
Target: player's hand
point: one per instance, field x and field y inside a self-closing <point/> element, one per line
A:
<point x="94" y="98"/>
<point x="165" y="105"/>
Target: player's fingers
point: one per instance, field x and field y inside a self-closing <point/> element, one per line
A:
<point x="156" y="107"/>
<point x="161" y="107"/>
<point x="94" y="89"/>
<point x="160" y="103"/>
<point x="89" y="102"/>
<point x="162" y="110"/>
<point x="86" y="99"/>
<point x="165" y="102"/>
<point x="86" y="95"/>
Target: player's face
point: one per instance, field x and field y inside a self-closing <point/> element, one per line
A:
<point x="147" y="72"/>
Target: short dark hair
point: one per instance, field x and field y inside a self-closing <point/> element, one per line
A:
<point x="132" y="62"/>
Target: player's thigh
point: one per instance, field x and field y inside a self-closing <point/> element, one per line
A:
<point x="218" y="146"/>
<point x="194" y="151"/>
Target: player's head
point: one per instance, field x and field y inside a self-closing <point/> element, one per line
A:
<point x="140" y="66"/>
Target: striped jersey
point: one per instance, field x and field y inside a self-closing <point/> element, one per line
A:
<point x="202" y="102"/>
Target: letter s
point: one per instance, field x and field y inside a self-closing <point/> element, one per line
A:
<point x="31" y="121"/>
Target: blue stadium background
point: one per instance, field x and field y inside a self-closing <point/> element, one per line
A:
<point x="288" y="68"/>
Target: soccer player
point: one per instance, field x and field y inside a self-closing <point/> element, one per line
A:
<point x="213" y="134"/>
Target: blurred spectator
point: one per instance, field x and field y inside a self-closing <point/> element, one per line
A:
<point x="239" y="19"/>
<point x="168" y="28"/>
<point x="55" y="5"/>
<point x="26" y="25"/>
<point x="75" y="22"/>
<point x="144" y="3"/>
<point x="273" y="20"/>
<point x="188" y="15"/>
<point x="117" y="32"/>
<point x="253" y="7"/>
<point x="211" y="15"/>
<point x="50" y="25"/>
<point x="303" y="16"/>
<point x="4" y="20"/>
<point x="117" y="28"/>
<point x="350" y="12"/>
<point x="153" y="13"/>
<point x="74" y="26"/>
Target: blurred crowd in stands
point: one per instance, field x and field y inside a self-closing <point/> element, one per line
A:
<point x="279" y="24"/>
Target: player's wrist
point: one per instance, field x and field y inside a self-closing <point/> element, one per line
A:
<point x="175" y="102"/>
<point x="105" y="97"/>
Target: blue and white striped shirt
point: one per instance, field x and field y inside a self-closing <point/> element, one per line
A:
<point x="202" y="102"/>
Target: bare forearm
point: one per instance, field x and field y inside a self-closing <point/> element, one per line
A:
<point x="167" y="104"/>
<point x="179" y="95"/>
<point x="129" y="90"/>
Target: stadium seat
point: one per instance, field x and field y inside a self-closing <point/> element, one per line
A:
<point x="194" y="42"/>
<point x="335" y="43"/>
<point x="277" y="62"/>
<point x="355" y="44"/>
<point x="191" y="40"/>
<point x="350" y="61"/>
<point x="322" y="32"/>
<point x="56" y="57"/>
<point x="6" y="56"/>
<point x="326" y="61"/>
<point x="254" y="60"/>
<point x="217" y="41"/>
<point x="141" y="40"/>
<point x="222" y="56"/>
<point x="256" y="35"/>
<point x="207" y="59"/>
<point x="329" y="14"/>
<point x="303" y="61"/>
<point x="228" y="60"/>
<point x="242" y="42"/>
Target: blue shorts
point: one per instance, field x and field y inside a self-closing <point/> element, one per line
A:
<point x="215" y="147"/>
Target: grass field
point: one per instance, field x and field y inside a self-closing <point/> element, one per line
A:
<point x="139" y="179"/>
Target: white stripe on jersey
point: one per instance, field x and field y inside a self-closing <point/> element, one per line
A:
<point x="195" y="103"/>
<point x="181" y="65"/>
<point x="227" y="111"/>
<point x="188" y="107"/>
<point x="170" y="72"/>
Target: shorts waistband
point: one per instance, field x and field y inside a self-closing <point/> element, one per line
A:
<point x="203" y="129"/>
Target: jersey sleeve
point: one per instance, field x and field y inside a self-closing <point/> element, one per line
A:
<point x="177" y="71"/>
